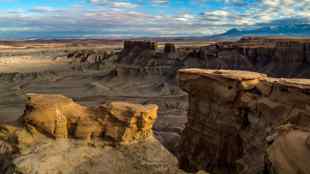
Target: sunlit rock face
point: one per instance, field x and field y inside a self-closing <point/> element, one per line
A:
<point x="234" y="117"/>
<point x="128" y="122"/>
<point x="60" y="117"/>
<point x="57" y="135"/>
<point x="290" y="151"/>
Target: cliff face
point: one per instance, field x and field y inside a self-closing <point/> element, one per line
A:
<point x="277" y="57"/>
<point x="57" y="135"/>
<point x="273" y="56"/>
<point x="142" y="45"/>
<point x="235" y="116"/>
<point x="141" y="58"/>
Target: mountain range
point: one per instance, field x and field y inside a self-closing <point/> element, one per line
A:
<point x="296" y="30"/>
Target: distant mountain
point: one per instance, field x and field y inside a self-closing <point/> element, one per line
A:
<point x="300" y="30"/>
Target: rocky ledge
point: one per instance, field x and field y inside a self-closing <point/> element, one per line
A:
<point x="245" y="122"/>
<point x="56" y="135"/>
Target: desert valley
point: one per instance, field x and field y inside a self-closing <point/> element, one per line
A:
<point x="141" y="106"/>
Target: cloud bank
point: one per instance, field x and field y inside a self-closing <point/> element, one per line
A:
<point x="107" y="18"/>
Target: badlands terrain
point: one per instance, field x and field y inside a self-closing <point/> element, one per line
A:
<point x="148" y="107"/>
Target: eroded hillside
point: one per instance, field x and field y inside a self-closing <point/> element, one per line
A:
<point x="238" y="122"/>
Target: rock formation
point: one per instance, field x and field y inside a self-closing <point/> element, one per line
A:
<point x="57" y="116"/>
<point x="143" y="56"/>
<point x="57" y="135"/>
<point x="289" y="153"/>
<point x="234" y="117"/>
<point x="89" y="56"/>
<point x="169" y="48"/>
<point x="141" y="45"/>
<point x="273" y="56"/>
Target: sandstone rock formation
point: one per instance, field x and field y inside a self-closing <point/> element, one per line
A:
<point x="143" y="56"/>
<point x="56" y="135"/>
<point x="273" y="56"/>
<point x="142" y="45"/>
<point x="129" y="122"/>
<point x="89" y="56"/>
<point x="59" y="117"/>
<point x="234" y="117"/>
<point x="169" y="48"/>
<point x="289" y="153"/>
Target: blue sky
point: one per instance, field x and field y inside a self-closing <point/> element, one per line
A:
<point x="136" y="18"/>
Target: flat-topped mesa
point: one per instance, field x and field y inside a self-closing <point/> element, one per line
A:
<point x="142" y="45"/>
<point x="234" y="116"/>
<point x="293" y="51"/>
<point x="57" y="116"/>
<point x="169" y="48"/>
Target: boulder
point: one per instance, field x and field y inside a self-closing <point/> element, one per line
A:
<point x="54" y="115"/>
<point x="129" y="122"/>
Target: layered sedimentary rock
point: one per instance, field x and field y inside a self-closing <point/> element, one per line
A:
<point x="273" y="56"/>
<point x="142" y="45"/>
<point x="169" y="48"/>
<point x="290" y="152"/>
<point x="234" y="117"/>
<point x="89" y="56"/>
<point x="143" y="58"/>
<point x="57" y="135"/>
<point x="129" y="122"/>
<point x="59" y="117"/>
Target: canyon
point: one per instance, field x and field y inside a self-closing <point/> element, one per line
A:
<point x="148" y="107"/>
<point x="238" y="120"/>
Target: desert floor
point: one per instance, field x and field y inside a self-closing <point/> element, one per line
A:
<point x="47" y="70"/>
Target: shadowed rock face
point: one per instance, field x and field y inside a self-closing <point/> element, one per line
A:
<point x="142" y="45"/>
<point x="90" y="58"/>
<point x="234" y="116"/>
<point x="142" y="58"/>
<point x="170" y="48"/>
<point x="276" y="57"/>
<point x="273" y="56"/>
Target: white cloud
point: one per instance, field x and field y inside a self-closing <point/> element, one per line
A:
<point x="122" y="18"/>
<point x="160" y="1"/>
<point x="124" y="5"/>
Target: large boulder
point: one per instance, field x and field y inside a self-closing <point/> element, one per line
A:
<point x="129" y="122"/>
<point x="56" y="115"/>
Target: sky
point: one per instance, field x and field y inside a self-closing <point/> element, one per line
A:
<point x="21" y="19"/>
